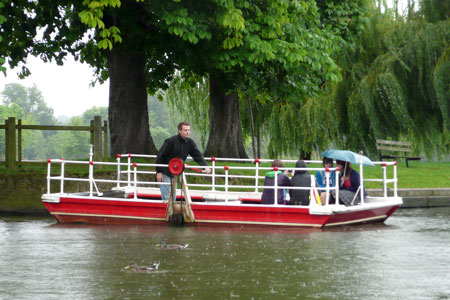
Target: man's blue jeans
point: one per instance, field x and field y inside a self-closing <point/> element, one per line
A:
<point x="165" y="189"/>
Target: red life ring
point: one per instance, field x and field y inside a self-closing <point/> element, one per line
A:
<point x="176" y="166"/>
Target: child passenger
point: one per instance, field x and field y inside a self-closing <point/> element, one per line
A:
<point x="268" y="195"/>
<point x="321" y="177"/>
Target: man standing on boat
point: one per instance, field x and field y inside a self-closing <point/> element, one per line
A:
<point x="180" y="146"/>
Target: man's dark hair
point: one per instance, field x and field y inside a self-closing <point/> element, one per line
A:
<point x="180" y="125"/>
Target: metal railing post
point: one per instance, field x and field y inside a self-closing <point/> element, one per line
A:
<point x="129" y="170"/>
<point x="118" y="170"/>
<point x="361" y="180"/>
<point x="213" y="160"/>
<point x="275" y="190"/>
<point x="226" y="184"/>
<point x="135" y="180"/>
<point x="395" y="179"/>
<point x="61" y="189"/>
<point x="49" y="162"/>
<point x="256" y="174"/>
<point x="327" y="179"/>
<point x="384" y="180"/>
<point x="91" y="178"/>
<point x="336" y="201"/>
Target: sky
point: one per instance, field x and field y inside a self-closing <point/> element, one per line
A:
<point x="65" y="88"/>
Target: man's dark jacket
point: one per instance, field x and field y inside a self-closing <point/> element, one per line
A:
<point x="176" y="146"/>
<point x="268" y="195"/>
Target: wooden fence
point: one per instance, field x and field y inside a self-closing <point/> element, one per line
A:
<point x="13" y="152"/>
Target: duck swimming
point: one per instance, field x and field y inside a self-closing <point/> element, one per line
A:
<point x="133" y="267"/>
<point x="164" y="245"/>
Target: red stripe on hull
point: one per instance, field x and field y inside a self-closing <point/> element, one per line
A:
<point x="94" y="220"/>
<point x="363" y="216"/>
<point x="73" y="210"/>
<point x="289" y="216"/>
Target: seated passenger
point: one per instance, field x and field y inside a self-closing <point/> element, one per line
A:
<point x="349" y="186"/>
<point x="301" y="178"/>
<point x="321" y="177"/>
<point x="268" y="195"/>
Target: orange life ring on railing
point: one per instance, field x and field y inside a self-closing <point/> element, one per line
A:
<point x="176" y="166"/>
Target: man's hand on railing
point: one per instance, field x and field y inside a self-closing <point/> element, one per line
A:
<point x="208" y="171"/>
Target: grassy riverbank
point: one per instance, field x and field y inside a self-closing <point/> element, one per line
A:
<point x="418" y="175"/>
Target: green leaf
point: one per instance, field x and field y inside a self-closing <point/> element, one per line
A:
<point x="105" y="33"/>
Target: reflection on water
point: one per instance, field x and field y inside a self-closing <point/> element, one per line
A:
<point x="405" y="258"/>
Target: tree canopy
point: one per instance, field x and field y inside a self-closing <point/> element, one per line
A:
<point x="396" y="85"/>
<point x="281" y="60"/>
<point x="279" y="46"/>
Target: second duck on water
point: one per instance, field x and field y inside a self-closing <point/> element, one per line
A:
<point x="164" y="245"/>
<point x="133" y="267"/>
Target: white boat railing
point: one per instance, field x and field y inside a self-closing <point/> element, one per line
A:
<point x="219" y="180"/>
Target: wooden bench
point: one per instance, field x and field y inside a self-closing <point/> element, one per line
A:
<point x="395" y="146"/>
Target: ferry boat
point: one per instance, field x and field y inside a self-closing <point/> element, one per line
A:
<point x="215" y="199"/>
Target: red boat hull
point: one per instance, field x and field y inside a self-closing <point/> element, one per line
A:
<point x="127" y="211"/>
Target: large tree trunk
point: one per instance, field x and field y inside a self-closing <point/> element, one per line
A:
<point x="128" y="113"/>
<point x="252" y="126"/>
<point x="225" y="133"/>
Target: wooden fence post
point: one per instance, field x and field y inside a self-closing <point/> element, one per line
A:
<point x="10" y="141"/>
<point x="105" y="140"/>
<point x="19" y="142"/>
<point x="6" y="144"/>
<point x="91" y="132"/>
<point x="98" y="138"/>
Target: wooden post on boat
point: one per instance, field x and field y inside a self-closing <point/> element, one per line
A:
<point x="170" y="203"/>
<point x="188" y="214"/>
<point x="178" y="212"/>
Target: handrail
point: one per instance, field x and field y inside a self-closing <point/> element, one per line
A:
<point x="133" y="169"/>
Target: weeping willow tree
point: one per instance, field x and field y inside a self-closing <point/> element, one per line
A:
<point x="188" y="98"/>
<point x="301" y="128"/>
<point x="396" y="85"/>
<point x="310" y="124"/>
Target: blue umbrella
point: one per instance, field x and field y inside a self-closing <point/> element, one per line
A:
<point x="347" y="155"/>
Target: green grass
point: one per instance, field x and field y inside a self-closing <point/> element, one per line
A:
<point x="418" y="175"/>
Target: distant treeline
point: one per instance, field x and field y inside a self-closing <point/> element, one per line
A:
<point x="28" y="104"/>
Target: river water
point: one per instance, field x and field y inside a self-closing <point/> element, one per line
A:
<point x="407" y="257"/>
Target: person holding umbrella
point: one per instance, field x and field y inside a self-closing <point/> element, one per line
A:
<point x="350" y="184"/>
